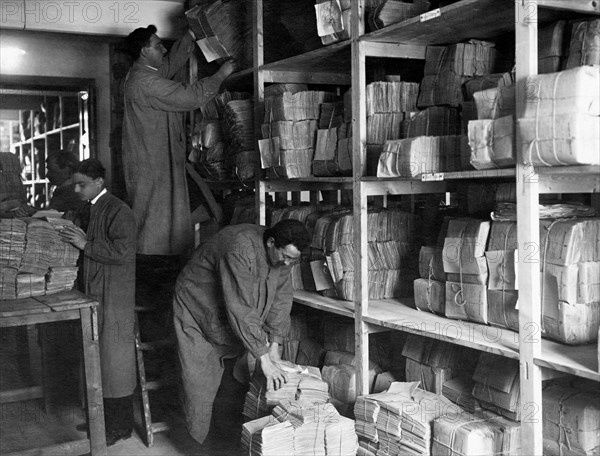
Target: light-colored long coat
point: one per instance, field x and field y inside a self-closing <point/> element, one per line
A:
<point x="154" y="150"/>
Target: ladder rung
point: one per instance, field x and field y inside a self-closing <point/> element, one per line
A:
<point x="160" y="427"/>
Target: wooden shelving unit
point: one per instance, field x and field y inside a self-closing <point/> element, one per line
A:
<point x="346" y="62"/>
<point x="64" y="125"/>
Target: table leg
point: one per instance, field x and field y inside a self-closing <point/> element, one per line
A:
<point x="93" y="381"/>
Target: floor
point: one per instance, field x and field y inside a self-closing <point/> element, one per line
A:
<point x="37" y="423"/>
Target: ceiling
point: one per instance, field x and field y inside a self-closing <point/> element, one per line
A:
<point x="114" y="18"/>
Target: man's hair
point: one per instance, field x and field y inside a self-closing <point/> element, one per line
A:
<point x="288" y="232"/>
<point x="91" y="168"/>
<point x="64" y="159"/>
<point x="138" y="39"/>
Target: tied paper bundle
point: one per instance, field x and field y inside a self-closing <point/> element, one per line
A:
<point x="389" y="97"/>
<point x="260" y="400"/>
<point x="506" y="211"/>
<point x="551" y="47"/>
<point x="30" y="285"/>
<point x="584" y="48"/>
<point x="333" y="20"/>
<point x="489" y="81"/>
<point x="393" y="11"/>
<point x="405" y="418"/>
<point x="318" y="428"/>
<point x="383" y="126"/>
<point x="12" y="242"/>
<point x="341" y="379"/>
<point x="366" y="412"/>
<point x="222" y="30"/>
<point x="298" y="331"/>
<point x="60" y="278"/>
<point x="466" y="269"/>
<point x="298" y="134"/>
<point x="412" y="157"/>
<point x="460" y="391"/>
<point x="430" y="288"/>
<point x="495" y="102"/>
<point x="238" y="125"/>
<point x="571" y="419"/>
<point x="267" y="436"/>
<point x="62" y="253"/>
<point x="277" y="91"/>
<point x="432" y="121"/>
<point x="333" y="151"/>
<point x="447" y="68"/>
<point x="561" y="122"/>
<point x="497" y="385"/>
<point x="39" y="244"/>
<point x="492" y="143"/>
<point x="481" y="434"/>
<point x="303" y="105"/>
<point x="8" y="283"/>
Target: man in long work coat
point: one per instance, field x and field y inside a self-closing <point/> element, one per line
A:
<point x="154" y="139"/>
<point x="108" y="249"/>
<point x="234" y="295"/>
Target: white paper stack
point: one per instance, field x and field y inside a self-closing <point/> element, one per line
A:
<point x="39" y="241"/>
<point x="12" y="242"/>
<point x="366" y="412"/>
<point x="60" y="278"/>
<point x="333" y="20"/>
<point x="267" y="436"/>
<point x="412" y="157"/>
<point x="492" y="143"/>
<point x="430" y="288"/>
<point x="296" y="106"/>
<point x="30" y="285"/>
<point x="561" y="122"/>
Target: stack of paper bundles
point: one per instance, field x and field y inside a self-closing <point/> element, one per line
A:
<point x="393" y="11"/>
<point x="571" y="419"/>
<point x="466" y="434"/>
<point x="583" y="47"/>
<point x="495" y="102"/>
<point x="60" y="278"/>
<point x="12" y="242"/>
<point x="404" y="421"/>
<point x="430" y="362"/>
<point x="561" y="122"/>
<point x="466" y="269"/>
<point x="268" y="437"/>
<point x="8" y="280"/>
<point x="341" y="379"/>
<point x="333" y="20"/>
<point x="366" y="412"/>
<point x="30" y="285"/>
<point x="430" y="288"/>
<point x="460" y="391"/>
<point x="412" y="157"/>
<point x="497" y="385"/>
<point x="298" y="331"/>
<point x="492" y="143"/>
<point x="39" y="241"/>
<point x="367" y="448"/>
<point x="447" y="68"/>
<point x="551" y="47"/>
<point x="432" y="121"/>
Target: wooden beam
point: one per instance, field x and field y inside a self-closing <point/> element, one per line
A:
<point x="581" y="6"/>
<point x="21" y="394"/>
<point x="304" y="77"/>
<point x="394" y="50"/>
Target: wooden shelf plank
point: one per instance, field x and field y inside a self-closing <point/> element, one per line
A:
<point x="334" y="58"/>
<point x="316" y="301"/>
<point x="486" y="20"/>
<point x="306" y="77"/>
<point x="580" y="360"/>
<point x="472" y="174"/>
<point x="568" y="179"/>
<point x="399" y="314"/>
<point x="399" y="186"/>
<point x="310" y="183"/>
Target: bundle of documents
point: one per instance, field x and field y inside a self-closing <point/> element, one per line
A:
<point x="382" y="255"/>
<point x="310" y="353"/>
<point x="497" y="385"/>
<point x="430" y="289"/>
<point x="332" y="115"/>
<point x="318" y="428"/>
<point x="571" y="419"/>
<point x="12" y="242"/>
<point x="551" y="47"/>
<point x="583" y="48"/>
<point x="302" y="105"/>
<point x="488" y="81"/>
<point x="432" y="121"/>
<point x="366" y="412"/>
<point x="213" y="109"/>
<point x="302" y="381"/>
<point x="238" y="125"/>
<point x="384" y="283"/>
<point x="333" y="20"/>
<point x="384" y="126"/>
<point x="300" y="134"/>
<point x="62" y="253"/>
<point x="561" y="121"/>
<point x="507" y="211"/>
<point x="30" y="285"/>
<point x="60" y="278"/>
<point x="492" y="143"/>
<point x="8" y="283"/>
<point x="412" y="157"/>
<point x="495" y="102"/>
<point x="268" y="437"/>
<point x="393" y="11"/>
<point x="39" y="241"/>
<point x="388" y="97"/>
<point x="460" y="391"/>
<point x="221" y="30"/>
<point x="367" y="448"/>
<point x="245" y="165"/>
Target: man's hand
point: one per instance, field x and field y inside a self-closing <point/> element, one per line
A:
<point x="230" y="66"/>
<point x="74" y="235"/>
<point x="272" y="368"/>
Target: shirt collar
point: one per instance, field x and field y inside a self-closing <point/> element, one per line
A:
<point x="95" y="200"/>
<point x="151" y="67"/>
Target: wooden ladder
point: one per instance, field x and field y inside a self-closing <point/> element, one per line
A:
<point x="146" y="386"/>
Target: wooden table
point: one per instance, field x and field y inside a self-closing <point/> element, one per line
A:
<point x="68" y="305"/>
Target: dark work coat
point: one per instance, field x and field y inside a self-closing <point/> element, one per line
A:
<point x="109" y="278"/>
<point x="154" y="150"/>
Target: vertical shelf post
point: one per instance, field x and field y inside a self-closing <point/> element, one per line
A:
<point x="361" y="248"/>
<point x="530" y="306"/>
<point x="258" y="58"/>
